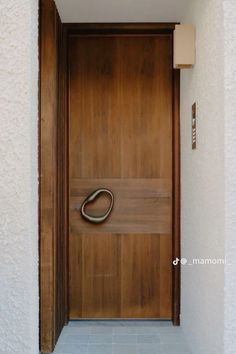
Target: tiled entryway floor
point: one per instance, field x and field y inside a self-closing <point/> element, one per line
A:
<point x="121" y="337"/>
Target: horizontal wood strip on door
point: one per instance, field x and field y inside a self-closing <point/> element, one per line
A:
<point x="141" y="205"/>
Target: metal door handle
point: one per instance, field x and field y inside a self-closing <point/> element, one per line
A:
<point x="91" y="198"/>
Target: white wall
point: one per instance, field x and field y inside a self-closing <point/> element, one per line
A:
<point x="18" y="177"/>
<point x="203" y="176"/>
<point x="230" y="176"/>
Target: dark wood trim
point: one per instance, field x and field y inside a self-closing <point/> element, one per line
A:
<point x="52" y="224"/>
<point x="63" y="108"/>
<point x="114" y="29"/>
<point x="47" y="173"/>
<point x="62" y="222"/>
<point x="118" y="28"/>
<point x="176" y="198"/>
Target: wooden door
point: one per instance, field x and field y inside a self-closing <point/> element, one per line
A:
<point x="120" y="137"/>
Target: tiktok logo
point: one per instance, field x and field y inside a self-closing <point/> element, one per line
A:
<point x="176" y="261"/>
<point x="182" y="261"/>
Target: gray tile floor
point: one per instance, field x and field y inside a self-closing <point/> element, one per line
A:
<point x="121" y="337"/>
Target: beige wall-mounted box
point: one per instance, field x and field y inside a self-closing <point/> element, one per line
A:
<point x="184" y="46"/>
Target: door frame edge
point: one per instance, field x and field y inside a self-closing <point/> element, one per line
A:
<point x="176" y="231"/>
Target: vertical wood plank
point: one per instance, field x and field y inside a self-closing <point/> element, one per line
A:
<point x="101" y="276"/>
<point x="52" y="227"/>
<point x="140" y="274"/>
<point x="165" y="264"/>
<point x="94" y="108"/>
<point x="76" y="271"/>
<point x="48" y="99"/>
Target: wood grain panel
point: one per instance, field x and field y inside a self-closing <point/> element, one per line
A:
<point x="75" y="278"/>
<point x="165" y="279"/>
<point x="145" y="109"/>
<point x="120" y="137"/>
<point x="94" y="108"/>
<point x="141" y="205"/>
<point x="138" y="187"/>
<point x="115" y="104"/>
<point x="95" y="276"/>
<point x="140" y="276"/>
<point x="121" y="282"/>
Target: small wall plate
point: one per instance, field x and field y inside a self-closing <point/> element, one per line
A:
<point x="194" y="126"/>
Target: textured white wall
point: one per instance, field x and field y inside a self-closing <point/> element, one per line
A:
<point x="18" y="177"/>
<point x="208" y="311"/>
<point x="230" y="176"/>
<point x="203" y="181"/>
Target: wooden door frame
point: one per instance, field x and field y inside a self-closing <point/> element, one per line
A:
<point x="144" y="29"/>
<point x="57" y="137"/>
<point x="53" y="301"/>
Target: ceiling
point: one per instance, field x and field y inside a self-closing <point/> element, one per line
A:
<point x="121" y="10"/>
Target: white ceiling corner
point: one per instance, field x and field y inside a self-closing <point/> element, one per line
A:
<point x="121" y="10"/>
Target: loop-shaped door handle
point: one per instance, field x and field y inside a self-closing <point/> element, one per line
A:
<point x="91" y="198"/>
